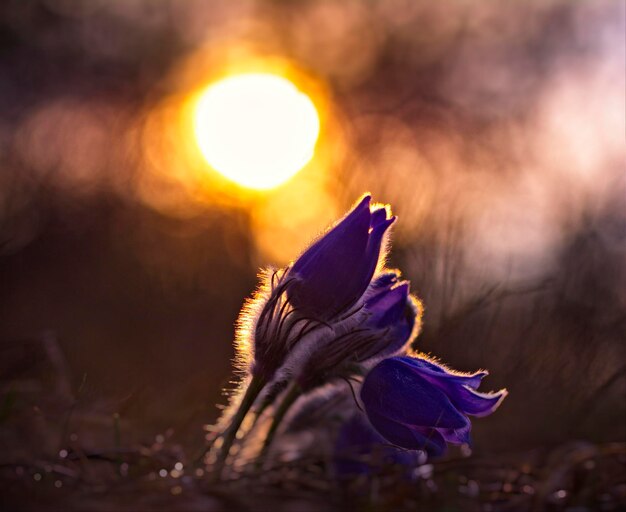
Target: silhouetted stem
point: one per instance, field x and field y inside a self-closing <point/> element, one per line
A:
<point x="229" y="434"/>
<point x="292" y="394"/>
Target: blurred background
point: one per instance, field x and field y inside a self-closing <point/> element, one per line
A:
<point x="495" y="131"/>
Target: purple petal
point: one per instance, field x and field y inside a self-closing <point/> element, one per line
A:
<point x="387" y="307"/>
<point x="394" y="389"/>
<point x="473" y="402"/>
<point x="400" y="333"/>
<point x="384" y="280"/>
<point x="357" y="439"/>
<point x="459" y="436"/>
<point x="437" y="374"/>
<point x="412" y="438"/>
<point x="335" y="271"/>
<point x="350" y="234"/>
<point x="378" y="217"/>
<point x="372" y="251"/>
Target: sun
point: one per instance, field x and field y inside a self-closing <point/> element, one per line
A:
<point x="256" y="129"/>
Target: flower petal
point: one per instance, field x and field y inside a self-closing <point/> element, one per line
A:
<point x="459" y="436"/>
<point x="384" y="280"/>
<point x="474" y="403"/>
<point x="400" y="332"/>
<point x="412" y="438"/>
<point x="379" y="215"/>
<point x="395" y="389"/>
<point x="436" y="373"/>
<point x="359" y="446"/>
<point x="335" y="271"/>
<point x="388" y="306"/>
<point x="366" y="265"/>
<point x="349" y="235"/>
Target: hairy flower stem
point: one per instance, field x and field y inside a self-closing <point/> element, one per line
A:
<point x="293" y="393"/>
<point x="228" y="436"/>
<point x="257" y="413"/>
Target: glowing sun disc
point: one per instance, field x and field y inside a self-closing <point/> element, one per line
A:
<point x="257" y="130"/>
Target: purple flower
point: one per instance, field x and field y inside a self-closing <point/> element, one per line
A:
<point x="334" y="272"/>
<point x="420" y="405"/>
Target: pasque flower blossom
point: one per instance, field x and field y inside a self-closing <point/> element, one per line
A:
<point x="417" y="404"/>
<point x="306" y="303"/>
<point x="321" y="288"/>
<point x="336" y="313"/>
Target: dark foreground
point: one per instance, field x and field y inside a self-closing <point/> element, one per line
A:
<point x="573" y="477"/>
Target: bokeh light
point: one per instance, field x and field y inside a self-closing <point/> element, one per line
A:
<point x="256" y="129"/>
